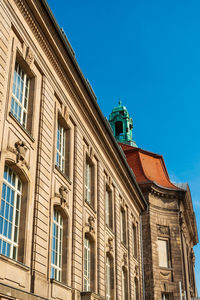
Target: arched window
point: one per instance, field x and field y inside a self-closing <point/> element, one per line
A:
<point x="57" y="245"/>
<point x="87" y="264"/>
<point x="124" y="284"/>
<point x="10" y="213"/>
<point x="118" y="128"/>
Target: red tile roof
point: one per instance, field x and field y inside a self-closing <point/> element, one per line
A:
<point x="147" y="166"/>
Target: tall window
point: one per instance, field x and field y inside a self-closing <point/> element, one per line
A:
<point x="10" y="213"/>
<point x="108" y="278"/>
<point x="134" y="241"/>
<point x="60" y="148"/>
<point x="87" y="264"/>
<point x="88" y="182"/>
<point x="57" y="244"/>
<point x="136" y="289"/>
<point x="124" y="284"/>
<point x="108" y="208"/>
<point x="123" y="225"/>
<point x="20" y="95"/>
<point x="163" y="253"/>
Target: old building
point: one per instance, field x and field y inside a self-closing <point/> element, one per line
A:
<point x="70" y="205"/>
<point x="168" y="226"/>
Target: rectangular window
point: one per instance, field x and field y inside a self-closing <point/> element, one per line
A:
<point x="163" y="253"/>
<point x="61" y="148"/>
<point x="123" y="225"/>
<point x="108" y="208"/>
<point x="88" y="182"/>
<point x="20" y="95"/>
<point x="87" y="264"/>
<point x="57" y="242"/>
<point x="108" y="278"/>
<point x="134" y="241"/>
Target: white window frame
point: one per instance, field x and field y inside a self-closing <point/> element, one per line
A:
<point x="56" y="268"/>
<point x="88" y="182"/>
<point x="61" y="148"/>
<point x="12" y="220"/>
<point x="20" y="95"/>
<point x="108" y="278"/>
<point x="87" y="265"/>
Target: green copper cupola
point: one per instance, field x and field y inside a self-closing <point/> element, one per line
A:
<point x="122" y="125"/>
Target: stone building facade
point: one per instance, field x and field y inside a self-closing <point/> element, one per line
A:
<point x="70" y="205"/>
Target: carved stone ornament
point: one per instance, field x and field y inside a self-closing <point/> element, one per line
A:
<point x="91" y="222"/>
<point x="136" y="270"/>
<point x="125" y="259"/>
<point x="110" y="244"/>
<point x="163" y="230"/>
<point x="182" y="223"/>
<point x="192" y="256"/>
<point x="20" y="151"/>
<point x="29" y="56"/>
<point x="64" y="196"/>
<point x="165" y="275"/>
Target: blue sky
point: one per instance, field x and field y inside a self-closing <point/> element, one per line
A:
<point x="147" y="53"/>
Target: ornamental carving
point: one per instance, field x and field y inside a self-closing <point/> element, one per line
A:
<point x="125" y="259"/>
<point x="91" y="222"/>
<point x="162" y="230"/>
<point x="192" y="257"/>
<point x="29" y="56"/>
<point x="63" y="195"/>
<point x="110" y="244"/>
<point x="19" y="150"/>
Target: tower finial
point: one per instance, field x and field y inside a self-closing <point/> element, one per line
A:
<point x="120" y="102"/>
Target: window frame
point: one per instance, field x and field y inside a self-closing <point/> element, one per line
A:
<point x="61" y="148"/>
<point x="15" y="100"/>
<point x="13" y="241"/>
<point x="123" y="226"/>
<point x="108" y="208"/>
<point x="124" y="283"/>
<point x="89" y="182"/>
<point x="87" y="263"/>
<point x="58" y="267"/>
<point x="134" y="241"/>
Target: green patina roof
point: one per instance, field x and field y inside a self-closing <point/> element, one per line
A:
<point x="122" y="124"/>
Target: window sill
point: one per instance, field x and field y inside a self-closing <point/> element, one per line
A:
<point x="63" y="174"/>
<point x="60" y="283"/>
<point x="110" y="229"/>
<point x="124" y="245"/>
<point x="90" y="206"/>
<point x="24" y="129"/>
<point x="91" y="295"/>
<point x="14" y="262"/>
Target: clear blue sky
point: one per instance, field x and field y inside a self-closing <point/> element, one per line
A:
<point x="148" y="54"/>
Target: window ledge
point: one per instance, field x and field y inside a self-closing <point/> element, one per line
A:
<point x="124" y="245"/>
<point x="63" y="174"/>
<point x="110" y="229"/>
<point x="90" y="206"/>
<point x="24" y="129"/>
<point x="60" y="283"/>
<point x="91" y="295"/>
<point x="14" y="262"/>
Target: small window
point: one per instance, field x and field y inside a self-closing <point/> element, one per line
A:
<point x="124" y="284"/>
<point x="10" y="213"/>
<point x="87" y="264"/>
<point x="108" y="208"/>
<point x="134" y="241"/>
<point x="61" y="148"/>
<point x="57" y="245"/>
<point x="20" y="95"/>
<point x="108" y="278"/>
<point x="163" y="253"/>
<point x="123" y="225"/>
